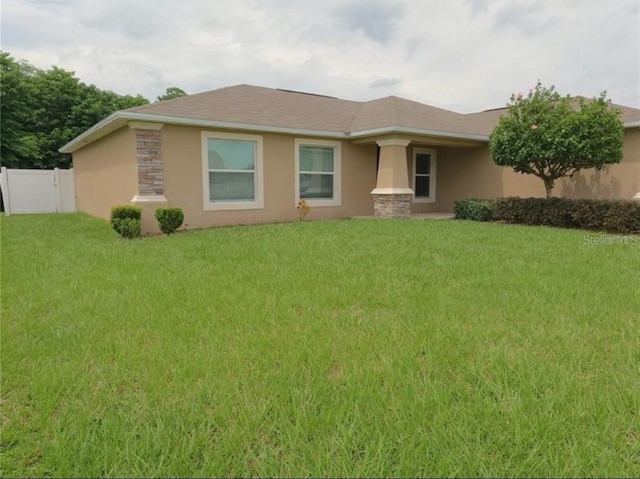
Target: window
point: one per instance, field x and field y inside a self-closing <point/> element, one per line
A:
<point x="424" y="175"/>
<point x="318" y="178"/>
<point x="232" y="171"/>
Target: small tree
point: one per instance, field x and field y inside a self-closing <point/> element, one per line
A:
<point x="551" y="137"/>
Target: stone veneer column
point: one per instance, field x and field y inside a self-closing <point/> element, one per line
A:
<point x="392" y="195"/>
<point x="150" y="172"/>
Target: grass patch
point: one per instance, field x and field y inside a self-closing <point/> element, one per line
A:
<point x="334" y="348"/>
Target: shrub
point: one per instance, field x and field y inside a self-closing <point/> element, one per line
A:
<point x="126" y="211"/>
<point x="474" y="209"/>
<point x="126" y="220"/>
<point x="614" y="216"/>
<point x="127" y="227"/>
<point x="169" y="219"/>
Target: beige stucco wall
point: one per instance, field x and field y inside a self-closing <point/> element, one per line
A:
<point x="183" y="185"/>
<point x="470" y="172"/>
<point x="460" y="173"/>
<point x="615" y="182"/>
<point x="621" y="181"/>
<point x="105" y="173"/>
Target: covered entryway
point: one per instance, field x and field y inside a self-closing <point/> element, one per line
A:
<point x="424" y="175"/>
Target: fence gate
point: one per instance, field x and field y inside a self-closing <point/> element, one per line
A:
<point x="37" y="191"/>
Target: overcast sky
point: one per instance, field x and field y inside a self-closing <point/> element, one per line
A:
<point x="464" y="55"/>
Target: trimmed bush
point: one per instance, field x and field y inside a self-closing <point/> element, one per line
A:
<point x="127" y="220"/>
<point x="614" y="216"/>
<point x="474" y="209"/>
<point x="127" y="227"/>
<point x="169" y="219"/>
<point x="126" y="211"/>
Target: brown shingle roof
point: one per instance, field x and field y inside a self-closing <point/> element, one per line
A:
<point x="629" y="114"/>
<point x="485" y="121"/>
<point x="253" y="107"/>
<point x="395" y="111"/>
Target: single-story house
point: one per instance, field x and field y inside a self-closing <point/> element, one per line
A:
<point x="246" y="154"/>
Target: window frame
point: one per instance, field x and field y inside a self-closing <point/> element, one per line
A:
<point x="337" y="171"/>
<point x="432" y="176"/>
<point x="258" y="177"/>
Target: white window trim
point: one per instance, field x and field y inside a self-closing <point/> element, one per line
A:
<point x="258" y="202"/>
<point x="432" y="177"/>
<point x="337" y="171"/>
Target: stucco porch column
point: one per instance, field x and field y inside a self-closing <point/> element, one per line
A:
<point x="150" y="172"/>
<point x="392" y="195"/>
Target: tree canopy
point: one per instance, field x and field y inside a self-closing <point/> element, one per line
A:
<point x="41" y="110"/>
<point x="17" y="140"/>
<point x="171" y="93"/>
<point x="551" y="136"/>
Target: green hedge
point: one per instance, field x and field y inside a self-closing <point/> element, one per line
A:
<point x="474" y="209"/>
<point x="126" y="220"/>
<point x="169" y="219"/>
<point x="126" y="211"/>
<point x="614" y="216"/>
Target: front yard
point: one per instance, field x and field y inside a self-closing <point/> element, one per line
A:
<point x="337" y="348"/>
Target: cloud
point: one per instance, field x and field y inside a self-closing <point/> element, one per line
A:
<point x="26" y="25"/>
<point x="529" y="18"/>
<point x="463" y="55"/>
<point x="377" y="20"/>
<point x="478" y="6"/>
<point x="385" y="82"/>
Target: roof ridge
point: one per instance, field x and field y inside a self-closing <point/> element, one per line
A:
<point x="188" y="95"/>
<point x="408" y="100"/>
<point x="356" y="113"/>
<point x="394" y="109"/>
<point x="298" y="92"/>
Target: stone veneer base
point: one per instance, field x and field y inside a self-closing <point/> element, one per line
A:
<point x="396" y="205"/>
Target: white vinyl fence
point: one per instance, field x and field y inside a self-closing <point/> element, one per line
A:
<point x="37" y="191"/>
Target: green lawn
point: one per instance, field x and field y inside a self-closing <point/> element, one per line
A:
<point x="339" y="348"/>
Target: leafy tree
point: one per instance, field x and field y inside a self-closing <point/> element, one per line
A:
<point x="66" y="107"/>
<point x="16" y="114"/>
<point x="171" y="93"/>
<point x="550" y="136"/>
<point x="43" y="110"/>
<point x="55" y="93"/>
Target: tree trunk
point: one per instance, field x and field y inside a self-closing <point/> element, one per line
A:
<point x="548" y="186"/>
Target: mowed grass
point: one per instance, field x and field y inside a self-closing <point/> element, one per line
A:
<point x="336" y="348"/>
